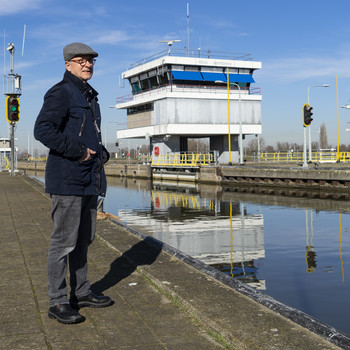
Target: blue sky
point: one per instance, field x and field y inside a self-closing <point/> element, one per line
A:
<point x="300" y="44"/>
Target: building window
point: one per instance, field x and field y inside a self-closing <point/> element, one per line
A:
<point x="192" y="68"/>
<point x="163" y="79"/>
<point x="140" y="109"/>
<point x="135" y="87"/>
<point x="154" y="82"/>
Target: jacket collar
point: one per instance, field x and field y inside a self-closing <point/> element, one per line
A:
<point x="86" y="89"/>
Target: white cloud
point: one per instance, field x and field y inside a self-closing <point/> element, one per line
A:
<point x="110" y="37"/>
<point x="15" y="6"/>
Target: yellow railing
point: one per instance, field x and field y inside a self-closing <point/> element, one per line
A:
<point x="182" y="160"/>
<point x="38" y="159"/>
<point x="344" y="156"/>
<point x="322" y="157"/>
<point x="164" y="199"/>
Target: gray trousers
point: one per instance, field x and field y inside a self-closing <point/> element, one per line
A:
<point x="74" y="219"/>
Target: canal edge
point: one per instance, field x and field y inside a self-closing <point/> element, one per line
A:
<point x="302" y="319"/>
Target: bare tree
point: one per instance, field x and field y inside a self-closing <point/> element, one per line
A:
<point x="144" y="149"/>
<point x="269" y="149"/>
<point x="323" y="137"/>
<point x="343" y="148"/>
<point x="252" y="146"/>
<point x="284" y="146"/>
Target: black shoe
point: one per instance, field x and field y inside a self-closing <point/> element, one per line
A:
<point x="93" y="300"/>
<point x="65" y="314"/>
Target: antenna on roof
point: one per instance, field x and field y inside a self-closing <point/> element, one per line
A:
<point x="170" y="43"/>
<point x="188" y="29"/>
<point x="24" y="38"/>
<point x="4" y="56"/>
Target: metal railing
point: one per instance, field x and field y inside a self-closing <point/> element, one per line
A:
<point x="204" y="89"/>
<point x="4" y="163"/>
<point x="196" y="54"/>
<point x="319" y="156"/>
<point x="182" y="160"/>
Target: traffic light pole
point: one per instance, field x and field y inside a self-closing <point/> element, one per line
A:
<point x="12" y="149"/>
<point x="11" y="49"/>
<point x="12" y="87"/>
<point x="310" y="145"/>
<point x="305" y="154"/>
<point x="306" y="122"/>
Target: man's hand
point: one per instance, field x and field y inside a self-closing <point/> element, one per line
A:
<point x="88" y="153"/>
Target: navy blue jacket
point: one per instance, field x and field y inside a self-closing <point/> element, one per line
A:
<point x="68" y="123"/>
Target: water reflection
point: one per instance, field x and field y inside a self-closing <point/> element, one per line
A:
<point x="200" y="227"/>
<point x="310" y="253"/>
<point x="294" y="245"/>
<point x="340" y="247"/>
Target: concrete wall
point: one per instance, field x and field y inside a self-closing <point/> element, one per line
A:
<point x="225" y="175"/>
<point x="205" y="111"/>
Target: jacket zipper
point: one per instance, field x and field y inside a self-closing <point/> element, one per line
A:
<point x="82" y="126"/>
<point x="98" y="132"/>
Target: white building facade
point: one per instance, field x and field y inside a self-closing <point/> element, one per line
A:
<point x="176" y="97"/>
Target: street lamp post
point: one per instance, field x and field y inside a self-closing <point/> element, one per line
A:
<point x="346" y="107"/>
<point x="308" y="101"/>
<point x="229" y="119"/>
<point x="240" y="120"/>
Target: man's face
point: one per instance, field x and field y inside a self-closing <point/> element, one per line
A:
<point x="81" y="66"/>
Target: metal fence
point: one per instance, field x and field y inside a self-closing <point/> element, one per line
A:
<point x="4" y="162"/>
<point x="323" y="156"/>
<point x="182" y="160"/>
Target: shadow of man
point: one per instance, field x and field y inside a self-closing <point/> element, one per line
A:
<point x="142" y="253"/>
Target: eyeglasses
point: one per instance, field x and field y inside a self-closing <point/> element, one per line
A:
<point x="84" y="61"/>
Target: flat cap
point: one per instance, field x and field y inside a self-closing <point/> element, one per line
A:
<point x="78" y="49"/>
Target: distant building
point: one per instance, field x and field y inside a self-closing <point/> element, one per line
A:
<point x="5" y="154"/>
<point x="176" y="97"/>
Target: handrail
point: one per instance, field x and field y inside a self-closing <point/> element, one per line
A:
<point x="319" y="156"/>
<point x="187" y="88"/>
<point x="195" y="53"/>
<point x="182" y="160"/>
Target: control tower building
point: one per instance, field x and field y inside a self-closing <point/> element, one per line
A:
<point x="179" y="95"/>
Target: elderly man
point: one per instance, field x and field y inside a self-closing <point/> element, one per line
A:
<point x="69" y="125"/>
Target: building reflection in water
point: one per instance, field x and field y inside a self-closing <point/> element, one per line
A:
<point x="220" y="234"/>
<point x="340" y="247"/>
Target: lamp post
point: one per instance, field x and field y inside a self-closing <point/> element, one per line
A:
<point x="229" y="119"/>
<point x="240" y="121"/>
<point x="346" y="107"/>
<point x="308" y="101"/>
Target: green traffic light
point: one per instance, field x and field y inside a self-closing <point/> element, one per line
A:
<point x="14" y="109"/>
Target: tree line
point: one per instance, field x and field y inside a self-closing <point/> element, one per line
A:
<point x="252" y="145"/>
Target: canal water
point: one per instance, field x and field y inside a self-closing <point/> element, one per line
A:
<point x="292" y="245"/>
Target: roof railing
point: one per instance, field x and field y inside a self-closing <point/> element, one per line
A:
<point x="198" y="53"/>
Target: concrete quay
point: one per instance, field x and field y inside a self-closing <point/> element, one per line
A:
<point x="291" y="175"/>
<point x="163" y="298"/>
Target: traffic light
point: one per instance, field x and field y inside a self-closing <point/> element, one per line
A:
<point x="307" y="113"/>
<point x="12" y="108"/>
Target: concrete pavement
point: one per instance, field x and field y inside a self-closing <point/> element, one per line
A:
<point x="163" y="299"/>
